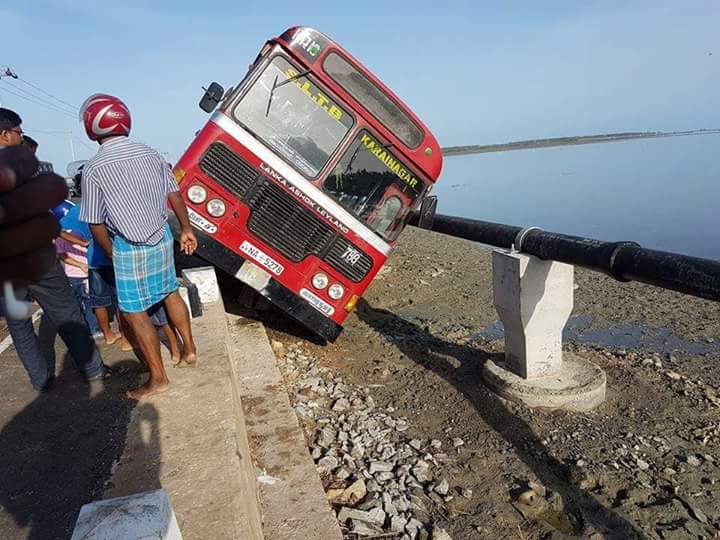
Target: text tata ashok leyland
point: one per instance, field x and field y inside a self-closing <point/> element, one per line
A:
<point x="303" y="178"/>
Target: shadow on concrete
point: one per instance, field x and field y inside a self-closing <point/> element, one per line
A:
<point x="240" y="299"/>
<point x="431" y="353"/>
<point x="58" y="453"/>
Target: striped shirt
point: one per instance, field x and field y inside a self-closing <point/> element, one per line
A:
<point x="126" y="186"/>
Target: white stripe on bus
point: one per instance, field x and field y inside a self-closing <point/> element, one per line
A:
<point x="295" y="178"/>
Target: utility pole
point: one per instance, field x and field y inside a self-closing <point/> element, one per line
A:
<point x="7" y="72"/>
<point x="72" y="145"/>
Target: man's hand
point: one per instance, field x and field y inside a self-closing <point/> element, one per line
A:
<point x="102" y="238"/>
<point x="26" y="225"/>
<point x="188" y="242"/>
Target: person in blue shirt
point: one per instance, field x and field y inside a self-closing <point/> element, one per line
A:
<point x="101" y="281"/>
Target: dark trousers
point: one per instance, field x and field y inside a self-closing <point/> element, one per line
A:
<point x="61" y="313"/>
<point x="78" y="287"/>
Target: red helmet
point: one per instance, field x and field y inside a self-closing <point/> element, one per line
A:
<point x="105" y="116"/>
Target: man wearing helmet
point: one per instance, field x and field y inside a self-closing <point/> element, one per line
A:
<point x="126" y="189"/>
<point x="52" y="289"/>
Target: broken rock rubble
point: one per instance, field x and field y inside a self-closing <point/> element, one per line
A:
<point x="377" y="480"/>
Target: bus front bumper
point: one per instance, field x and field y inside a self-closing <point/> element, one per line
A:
<point x="216" y="254"/>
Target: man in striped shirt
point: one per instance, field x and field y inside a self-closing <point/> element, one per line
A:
<point x="126" y="188"/>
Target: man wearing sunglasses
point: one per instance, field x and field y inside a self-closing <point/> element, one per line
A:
<point x="26" y="232"/>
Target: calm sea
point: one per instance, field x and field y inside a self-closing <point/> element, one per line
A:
<point x="662" y="193"/>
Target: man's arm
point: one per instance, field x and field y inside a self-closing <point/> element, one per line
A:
<point x="188" y="242"/>
<point x="102" y="237"/>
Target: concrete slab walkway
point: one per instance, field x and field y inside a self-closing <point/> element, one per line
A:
<point x="186" y="442"/>
<point x="83" y="442"/>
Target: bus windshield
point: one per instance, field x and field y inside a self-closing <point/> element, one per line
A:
<point x="292" y="115"/>
<point x="374" y="185"/>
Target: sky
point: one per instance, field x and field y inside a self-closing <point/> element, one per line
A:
<point x="474" y="72"/>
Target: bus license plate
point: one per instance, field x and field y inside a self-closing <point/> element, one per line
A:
<point x="264" y="259"/>
<point x="317" y="303"/>
<point x="201" y="223"/>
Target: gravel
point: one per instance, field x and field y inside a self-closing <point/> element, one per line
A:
<point x="377" y="479"/>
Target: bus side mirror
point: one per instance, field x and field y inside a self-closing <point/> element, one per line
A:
<point x="213" y="95"/>
<point x="426" y="216"/>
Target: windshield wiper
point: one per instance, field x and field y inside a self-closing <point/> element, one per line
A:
<point x="294" y="77"/>
<point x="275" y="86"/>
<point x="270" y="96"/>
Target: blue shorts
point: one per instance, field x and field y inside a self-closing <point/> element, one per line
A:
<point x="102" y="287"/>
<point x="158" y="315"/>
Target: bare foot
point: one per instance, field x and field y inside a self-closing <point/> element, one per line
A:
<point x="111" y="339"/>
<point x="126" y="347"/>
<point x="189" y="360"/>
<point x="148" y="389"/>
<point x="175" y="360"/>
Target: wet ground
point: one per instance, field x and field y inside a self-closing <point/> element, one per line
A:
<point x="644" y="464"/>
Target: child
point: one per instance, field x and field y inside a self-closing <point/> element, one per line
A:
<point x="74" y="258"/>
<point x="100" y="294"/>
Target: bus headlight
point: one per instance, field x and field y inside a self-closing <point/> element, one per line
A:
<point x="320" y="281"/>
<point x="336" y="291"/>
<point x="216" y="208"/>
<point x="196" y="194"/>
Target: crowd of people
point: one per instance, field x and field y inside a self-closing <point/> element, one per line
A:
<point x="110" y="255"/>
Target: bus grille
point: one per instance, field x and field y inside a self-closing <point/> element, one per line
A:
<point x="283" y="223"/>
<point x="280" y="220"/>
<point x="228" y="169"/>
<point x="336" y="257"/>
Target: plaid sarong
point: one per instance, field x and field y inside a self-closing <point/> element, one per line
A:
<point x="144" y="275"/>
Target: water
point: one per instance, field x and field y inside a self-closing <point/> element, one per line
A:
<point x="579" y="329"/>
<point x="662" y="193"/>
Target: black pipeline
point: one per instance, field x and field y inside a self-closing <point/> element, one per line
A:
<point x="625" y="261"/>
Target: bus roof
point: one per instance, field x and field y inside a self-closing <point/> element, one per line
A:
<point x="409" y="135"/>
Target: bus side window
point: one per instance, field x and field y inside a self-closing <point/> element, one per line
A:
<point x="387" y="214"/>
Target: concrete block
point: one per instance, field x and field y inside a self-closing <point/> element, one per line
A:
<point x="138" y="517"/>
<point x="534" y="299"/>
<point x="189" y="293"/>
<point x="206" y="281"/>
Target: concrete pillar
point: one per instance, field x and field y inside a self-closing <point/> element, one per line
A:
<point x="137" y="517"/>
<point x="534" y="299"/>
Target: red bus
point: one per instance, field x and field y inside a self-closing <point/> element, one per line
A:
<point x="304" y="177"/>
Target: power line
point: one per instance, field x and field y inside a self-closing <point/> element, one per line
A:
<point x="73" y="107"/>
<point x="49" y="131"/>
<point x="52" y="108"/>
<point x="60" y="132"/>
<point x="37" y="102"/>
<point x="39" y="98"/>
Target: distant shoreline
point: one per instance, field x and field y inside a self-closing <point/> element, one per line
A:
<point x="571" y="141"/>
